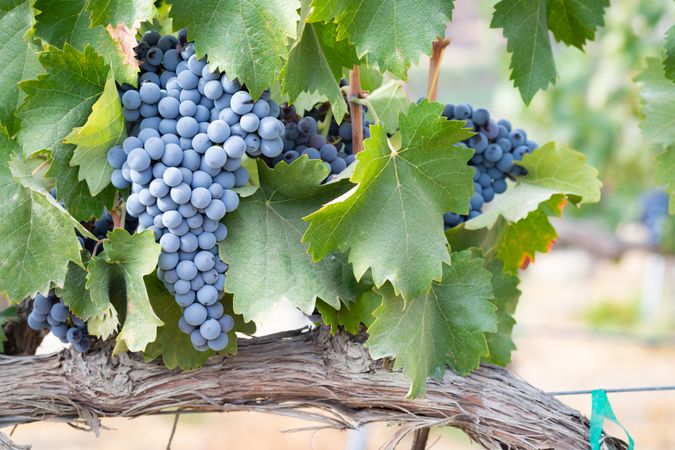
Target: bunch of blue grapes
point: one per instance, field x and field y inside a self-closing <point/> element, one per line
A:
<point x="190" y="127"/>
<point x="301" y="137"/>
<point x="51" y="313"/>
<point x="497" y="145"/>
<point x="654" y="214"/>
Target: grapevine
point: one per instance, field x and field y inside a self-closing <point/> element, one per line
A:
<point x="172" y="172"/>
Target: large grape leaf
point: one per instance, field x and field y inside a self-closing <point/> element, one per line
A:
<point x="68" y="21"/>
<point x="126" y="259"/>
<point x="525" y="26"/>
<point x="392" y="220"/>
<point x="550" y="171"/>
<point x="37" y="237"/>
<point x="317" y="44"/>
<point x="665" y="174"/>
<point x="103" y="129"/>
<point x="55" y="103"/>
<point x="658" y="98"/>
<point x="114" y="12"/>
<point x="506" y="296"/>
<point x="514" y="243"/>
<point x="386" y="103"/>
<point x="20" y="61"/>
<point x="669" y="56"/>
<point x="248" y="39"/>
<point x="351" y="316"/>
<point x="174" y="346"/>
<point x="575" y="21"/>
<point x="446" y="326"/>
<point x="268" y="262"/>
<point x="392" y="33"/>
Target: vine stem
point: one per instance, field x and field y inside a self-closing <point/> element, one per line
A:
<point x="116" y="217"/>
<point x="438" y="49"/>
<point x="325" y="125"/>
<point x="173" y="431"/>
<point x="355" y="109"/>
<point x="420" y="439"/>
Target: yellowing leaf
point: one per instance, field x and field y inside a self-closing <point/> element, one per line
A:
<point x="103" y="129"/>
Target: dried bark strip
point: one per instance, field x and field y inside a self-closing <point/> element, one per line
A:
<point x="310" y="375"/>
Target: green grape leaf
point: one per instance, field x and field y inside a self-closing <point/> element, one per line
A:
<point x="75" y="294"/>
<point x="665" y="174"/>
<point x="114" y="12"/>
<point x="658" y="98"/>
<point x="126" y="259"/>
<point x="174" y="346"/>
<point x="268" y="263"/>
<point x="55" y="103"/>
<point x="669" y="57"/>
<point x="351" y="316"/>
<point x="514" y="243"/>
<point x="550" y="171"/>
<point x="392" y="33"/>
<point x="248" y="39"/>
<point x="340" y="55"/>
<point x="446" y="326"/>
<point x="575" y="21"/>
<point x="103" y="129"/>
<point x="386" y="103"/>
<point x="69" y="21"/>
<point x="318" y="78"/>
<point x="371" y="78"/>
<point x="525" y="26"/>
<point x="37" y="236"/>
<point x="7" y="315"/>
<point x="506" y="296"/>
<point x="98" y="312"/>
<point x="392" y="220"/>
<point x="20" y="59"/>
<point x="103" y="325"/>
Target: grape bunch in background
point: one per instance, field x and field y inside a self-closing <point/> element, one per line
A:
<point x="51" y="313"/>
<point x="302" y="137"/>
<point x="497" y="145"/>
<point x="189" y="127"/>
<point x="654" y="214"/>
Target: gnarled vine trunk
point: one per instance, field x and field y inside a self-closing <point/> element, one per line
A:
<point x="309" y="375"/>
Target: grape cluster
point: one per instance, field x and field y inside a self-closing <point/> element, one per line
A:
<point x="51" y="313"/>
<point x="189" y="127"/>
<point x="654" y="214"/>
<point x="497" y="145"/>
<point x="344" y="131"/>
<point x="302" y="137"/>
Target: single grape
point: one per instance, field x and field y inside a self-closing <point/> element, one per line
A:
<point x="131" y="99"/>
<point x="195" y="314"/>
<point x="210" y="329"/>
<point x="226" y="323"/>
<point x="241" y="102"/>
<point x="204" y="261"/>
<point x="150" y="93"/>
<point x="215" y="157"/>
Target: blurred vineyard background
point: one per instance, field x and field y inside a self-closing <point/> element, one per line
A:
<point x="587" y="318"/>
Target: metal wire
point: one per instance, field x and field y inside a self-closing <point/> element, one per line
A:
<point x="614" y="390"/>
